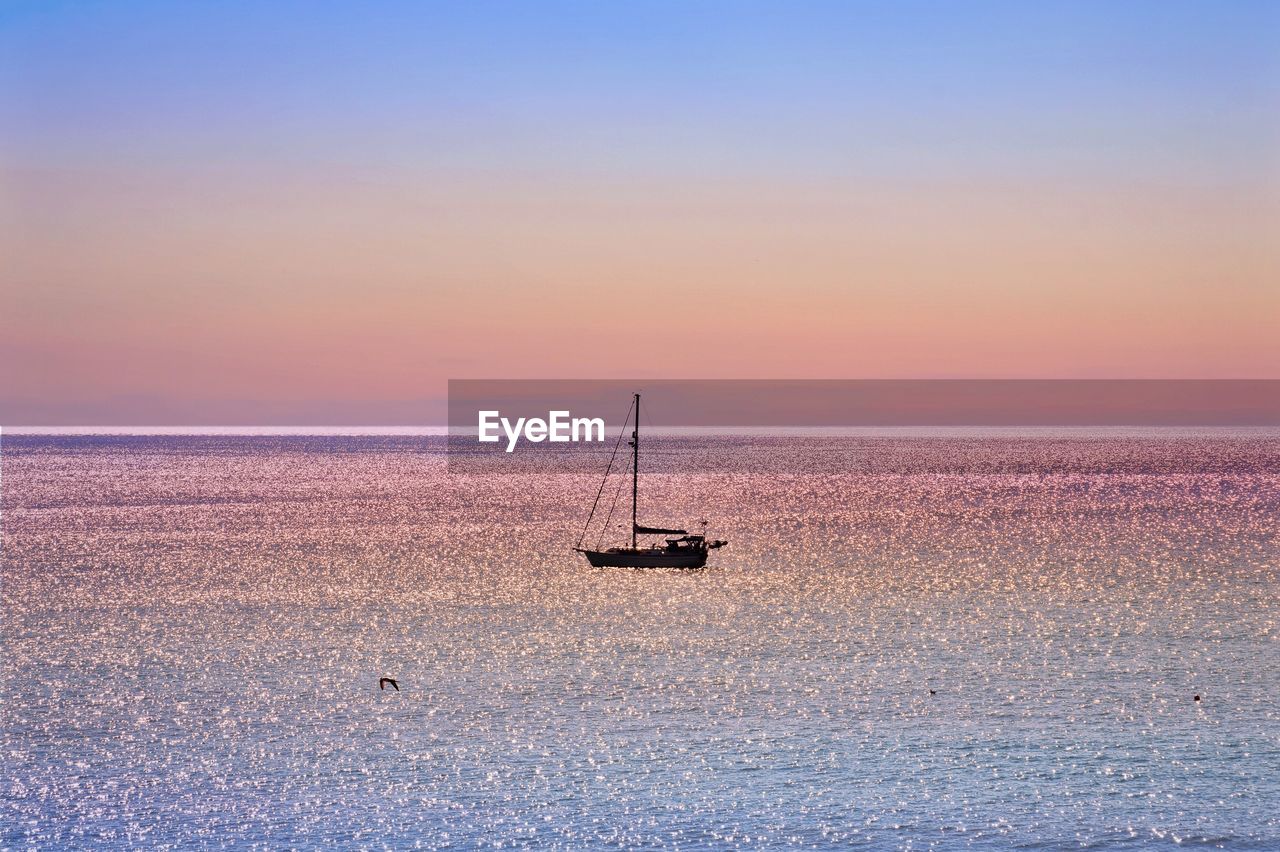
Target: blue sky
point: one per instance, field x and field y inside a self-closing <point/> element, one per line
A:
<point x="1169" y="90"/>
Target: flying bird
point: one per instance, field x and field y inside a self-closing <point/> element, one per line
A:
<point x="382" y="683"/>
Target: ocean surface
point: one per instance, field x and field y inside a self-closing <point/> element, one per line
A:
<point x="962" y="640"/>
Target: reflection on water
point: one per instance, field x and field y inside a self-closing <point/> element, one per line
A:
<point x="910" y="641"/>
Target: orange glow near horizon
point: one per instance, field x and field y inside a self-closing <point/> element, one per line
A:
<point x="291" y="300"/>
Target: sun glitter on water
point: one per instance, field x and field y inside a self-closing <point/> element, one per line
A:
<point x="968" y="641"/>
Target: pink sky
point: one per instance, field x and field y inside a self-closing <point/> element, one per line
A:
<point x="247" y="304"/>
<point x="238" y="230"/>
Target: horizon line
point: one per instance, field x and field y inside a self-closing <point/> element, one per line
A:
<point x="440" y="430"/>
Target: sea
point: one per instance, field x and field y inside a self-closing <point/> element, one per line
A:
<point x="914" y="639"/>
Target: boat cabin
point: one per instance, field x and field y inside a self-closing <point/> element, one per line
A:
<point x="687" y="542"/>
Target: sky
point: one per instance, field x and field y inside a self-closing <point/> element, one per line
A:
<point x="309" y="213"/>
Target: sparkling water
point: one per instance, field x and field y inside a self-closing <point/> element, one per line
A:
<point x="983" y="640"/>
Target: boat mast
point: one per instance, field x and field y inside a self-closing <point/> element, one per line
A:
<point x="635" y="471"/>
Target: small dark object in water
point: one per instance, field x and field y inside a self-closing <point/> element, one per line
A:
<point x="382" y="684"/>
<point x="1197" y="698"/>
<point x="933" y="692"/>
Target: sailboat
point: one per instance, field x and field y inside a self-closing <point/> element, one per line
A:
<point x="679" y="550"/>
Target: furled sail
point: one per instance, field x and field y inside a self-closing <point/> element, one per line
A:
<point x="657" y="531"/>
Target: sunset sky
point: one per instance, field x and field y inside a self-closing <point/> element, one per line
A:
<point x="228" y="212"/>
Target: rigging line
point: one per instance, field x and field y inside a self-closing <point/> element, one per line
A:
<point x="600" y="490"/>
<point x="622" y="480"/>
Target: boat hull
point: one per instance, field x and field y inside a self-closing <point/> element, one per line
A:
<point x="644" y="558"/>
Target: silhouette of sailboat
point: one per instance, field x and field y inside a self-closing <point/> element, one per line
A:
<point x="680" y="550"/>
